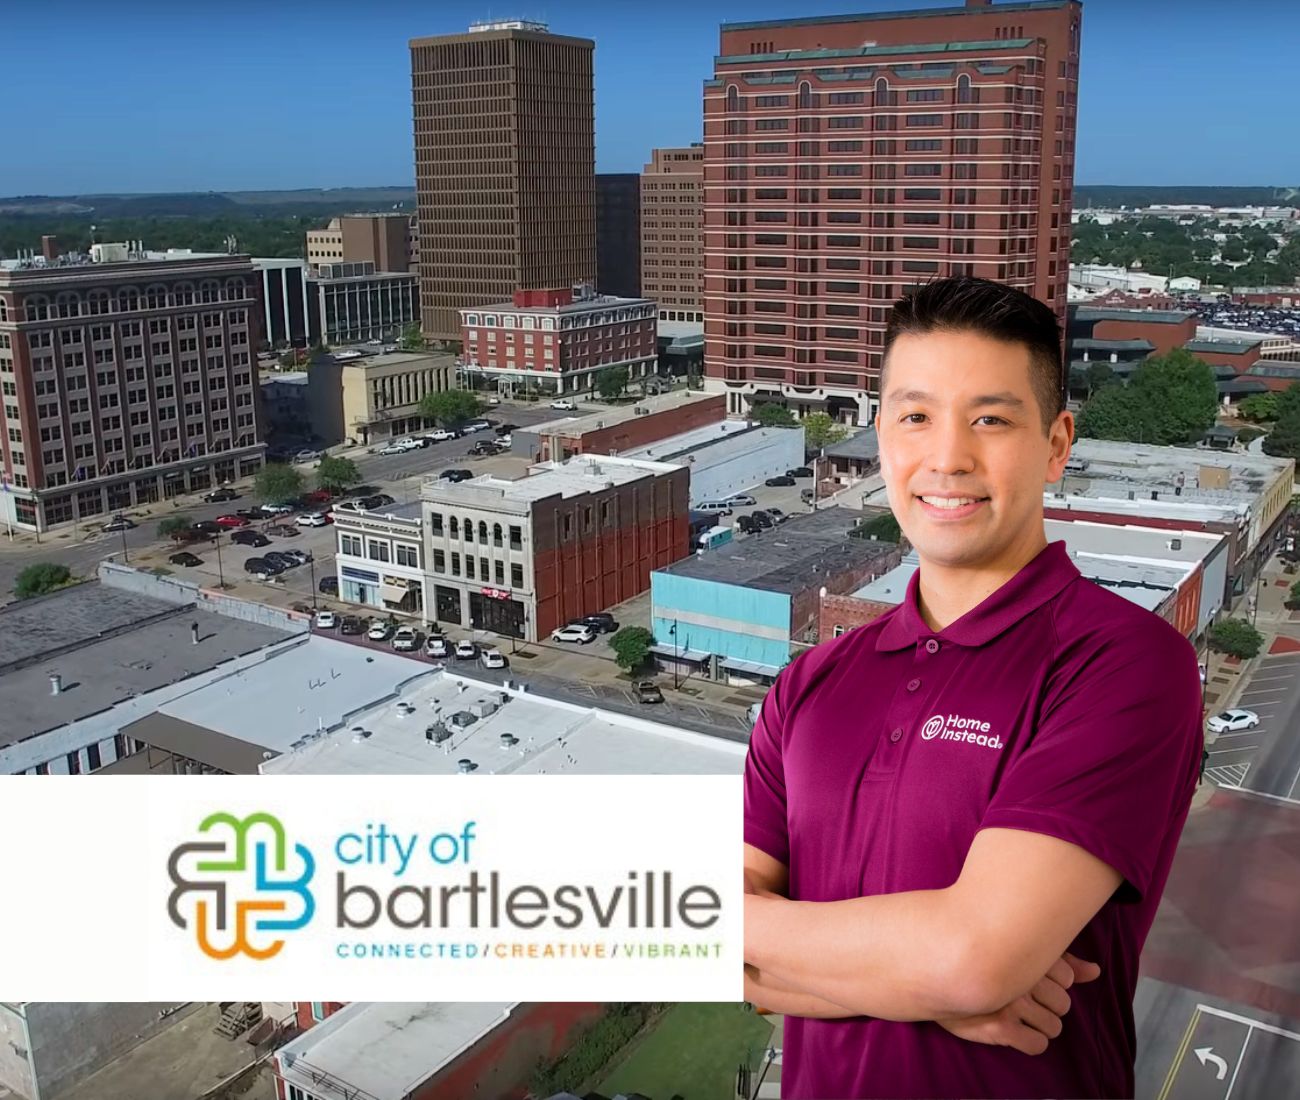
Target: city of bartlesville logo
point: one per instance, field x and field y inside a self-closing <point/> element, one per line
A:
<point x="242" y="887"/>
<point x="953" y="727"/>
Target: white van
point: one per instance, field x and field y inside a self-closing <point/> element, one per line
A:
<point x="714" y="507"/>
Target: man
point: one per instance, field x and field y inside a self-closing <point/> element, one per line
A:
<point x="956" y="814"/>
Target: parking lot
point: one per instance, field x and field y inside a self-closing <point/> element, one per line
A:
<point x="1265" y="759"/>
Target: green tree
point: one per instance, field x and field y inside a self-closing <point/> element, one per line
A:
<point x="1170" y="399"/>
<point x="1289" y="399"/>
<point x="450" y="408"/>
<point x="336" y="474"/>
<point x="1259" y="406"/>
<point x="819" y="431"/>
<point x="1233" y="250"/>
<point x="277" y="484"/>
<point x="884" y="528"/>
<point x="40" y="578"/>
<point x="771" y="415"/>
<point x="174" y="528"/>
<point x="1248" y="435"/>
<point x="611" y="382"/>
<point x="1284" y="440"/>
<point x="631" y="646"/>
<point x="1098" y="375"/>
<point x="412" y="338"/>
<point x="1235" y="637"/>
<point x="1295" y="593"/>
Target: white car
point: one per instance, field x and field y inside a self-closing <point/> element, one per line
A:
<point x="574" y="632"/>
<point x="1231" y="720"/>
<point x="564" y="406"/>
<point x="492" y="658"/>
<point x="466" y="650"/>
<point x="410" y="443"/>
<point x="277" y="509"/>
<point x="494" y="401"/>
<point x="436" y="646"/>
<point x="312" y="519"/>
<point x="476" y="426"/>
<point x="326" y="620"/>
<point x="378" y="631"/>
<point x="441" y="435"/>
<point x="504" y="441"/>
<point x="405" y="639"/>
<point x="393" y="449"/>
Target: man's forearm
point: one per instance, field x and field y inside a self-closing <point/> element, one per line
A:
<point x="893" y="956"/>
<point x="765" y="992"/>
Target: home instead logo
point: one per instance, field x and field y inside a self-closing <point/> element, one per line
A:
<point x="234" y="906"/>
<point x="953" y="727"/>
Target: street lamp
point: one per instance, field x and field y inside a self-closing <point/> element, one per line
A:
<point x="672" y="633"/>
<point x="126" y="558"/>
<point x="221" y="573"/>
<point x="311" y="562"/>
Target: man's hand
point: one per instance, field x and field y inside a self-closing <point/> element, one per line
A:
<point x="1030" y="1022"/>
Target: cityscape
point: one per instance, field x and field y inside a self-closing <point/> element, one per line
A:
<point x="574" y="463"/>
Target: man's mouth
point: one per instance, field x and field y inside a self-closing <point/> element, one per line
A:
<point x="951" y="503"/>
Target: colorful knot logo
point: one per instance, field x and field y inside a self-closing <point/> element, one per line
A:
<point x="235" y="903"/>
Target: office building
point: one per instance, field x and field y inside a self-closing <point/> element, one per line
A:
<point x="380" y="558"/>
<point x="618" y="234"/>
<point x="377" y="398"/>
<point x="355" y="302"/>
<point x="672" y="234"/>
<point x="505" y="166"/>
<point x="390" y="241"/>
<point x="286" y="313"/>
<point x="851" y="158"/>
<point x="126" y="379"/>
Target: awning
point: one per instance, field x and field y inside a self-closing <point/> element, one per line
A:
<point x="697" y="656"/>
<point x="392" y="593"/>
<point x="753" y="668"/>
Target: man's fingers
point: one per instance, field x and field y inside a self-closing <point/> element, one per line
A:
<point x="1041" y="1019"/>
<point x="1083" y="970"/>
<point x="1061" y="973"/>
<point x="1027" y="1040"/>
<point x="1051" y="996"/>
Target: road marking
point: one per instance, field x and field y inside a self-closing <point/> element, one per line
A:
<point x="1291" y="793"/>
<point x="1236" y="748"/>
<point x="1241" y="1057"/>
<point x="1229" y="776"/>
<point x="1243" y="733"/>
<point x="1178" y="1055"/>
<point x="1272" y="1029"/>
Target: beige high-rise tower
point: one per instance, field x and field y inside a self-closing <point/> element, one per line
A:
<point x="505" y="166"/>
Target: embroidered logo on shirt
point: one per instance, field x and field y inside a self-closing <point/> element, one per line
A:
<point x="953" y="727"/>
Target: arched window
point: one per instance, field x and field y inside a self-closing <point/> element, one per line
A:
<point x="469" y="529"/>
<point x="68" y="304"/>
<point x="965" y="93"/>
<point x="97" y="302"/>
<point x="155" y="296"/>
<point x="235" y="290"/>
<point x="209" y="291"/>
<point x="805" y="95"/>
<point x="37" y="307"/>
<point x="482" y="532"/>
<point x="183" y="294"/>
<point x="454" y="527"/>
<point x="496" y="534"/>
<point x="884" y="97"/>
<point x="128" y="298"/>
<point x="733" y="98"/>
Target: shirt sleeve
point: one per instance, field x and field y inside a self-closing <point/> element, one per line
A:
<point x="765" y="810"/>
<point x="1115" y="757"/>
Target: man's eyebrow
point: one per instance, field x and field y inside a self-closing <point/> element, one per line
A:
<point x="1008" y="400"/>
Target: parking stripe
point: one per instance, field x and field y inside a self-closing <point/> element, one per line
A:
<point x="1178" y="1057"/>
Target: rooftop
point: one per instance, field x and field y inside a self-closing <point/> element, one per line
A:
<point x="878" y="51"/>
<point x="607" y="418"/>
<point x="676" y="447"/>
<point x="407" y="359"/>
<point x="409" y="512"/>
<point x="1112" y="345"/>
<point x="1155" y="316"/>
<point x="791" y="558"/>
<point x="578" y="305"/>
<point x="863" y="444"/>
<point x="541" y="736"/>
<point x="384" y="1050"/>
<point x="571" y="478"/>
<point x="108" y="645"/>
<point x="920" y="13"/>
<point x="1221" y="347"/>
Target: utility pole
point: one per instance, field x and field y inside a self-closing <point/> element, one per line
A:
<point x="221" y="574"/>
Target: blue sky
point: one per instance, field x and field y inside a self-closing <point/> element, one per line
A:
<point x="147" y="95"/>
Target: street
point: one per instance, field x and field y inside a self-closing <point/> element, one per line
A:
<point x="1267" y="758"/>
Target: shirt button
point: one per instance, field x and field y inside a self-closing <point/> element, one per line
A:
<point x="931" y="646"/>
<point x="912" y="685"/>
<point x="896" y="735"/>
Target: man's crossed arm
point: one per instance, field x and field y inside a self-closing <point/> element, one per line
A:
<point x="985" y="955"/>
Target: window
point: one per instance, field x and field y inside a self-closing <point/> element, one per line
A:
<point x="844" y="193"/>
<point x="925" y="120"/>
<point x="376" y="550"/>
<point x="922" y="169"/>
<point x="845" y="122"/>
<point x="843" y="99"/>
<point x="318" y="1010"/>
<point x="516" y="575"/>
<point x="469" y="567"/>
<point x="350" y="544"/>
<point x="455" y="565"/>
<point x="921" y="194"/>
<point x="920" y="242"/>
<point x="407" y="555"/>
<point x="516" y="538"/>
<point x="439" y="561"/>
<point x="772" y="124"/>
<point x="772" y="100"/>
<point x="925" y="95"/>
<point x="923" y="145"/>
<point x="837" y="630"/>
<point x="435" y="522"/>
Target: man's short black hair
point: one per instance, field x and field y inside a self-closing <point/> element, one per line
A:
<point x="997" y="311"/>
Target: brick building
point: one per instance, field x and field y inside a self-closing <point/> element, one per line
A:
<point x="557" y="340"/>
<point x="1163" y="329"/>
<point x="390" y="241"/>
<point x="672" y="240"/>
<point x="505" y="166"/>
<point x="522" y="557"/>
<point x="850" y="158"/>
<point x="613" y="431"/>
<point x="1240" y="354"/>
<point x="125" y="381"/>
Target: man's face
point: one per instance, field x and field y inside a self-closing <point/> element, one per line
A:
<point x="962" y="447"/>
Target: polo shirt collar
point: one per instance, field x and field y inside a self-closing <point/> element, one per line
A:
<point x="1038" y="582"/>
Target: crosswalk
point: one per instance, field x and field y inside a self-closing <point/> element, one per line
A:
<point x="1228" y="775"/>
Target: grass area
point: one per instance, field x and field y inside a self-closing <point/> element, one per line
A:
<point x="692" y="1053"/>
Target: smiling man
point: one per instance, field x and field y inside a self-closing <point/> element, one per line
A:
<point x="959" y="818"/>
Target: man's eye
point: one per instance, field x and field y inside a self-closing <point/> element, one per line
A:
<point x="995" y="419"/>
<point x="913" y="418"/>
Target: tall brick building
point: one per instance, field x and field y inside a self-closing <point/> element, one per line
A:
<point x="505" y="166"/>
<point x="849" y="158"/>
<point x="672" y="239"/>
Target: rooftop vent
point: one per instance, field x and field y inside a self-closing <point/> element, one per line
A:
<point x="466" y="765"/>
<point x="436" y="733"/>
<point x="509" y="740"/>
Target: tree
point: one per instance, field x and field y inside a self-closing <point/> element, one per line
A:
<point x="336" y="474"/>
<point x="40" y="578"/>
<point x="1170" y="399"/>
<point x="1235" y="637"/>
<point x="884" y="528"/>
<point x="1259" y="406"/>
<point x="277" y="484"/>
<point x="174" y="528"/>
<point x="771" y="415"/>
<point x="819" y="431"/>
<point x="1284" y="440"/>
<point x="631" y="646"/>
<point x="450" y="408"/>
<point x="412" y="338"/>
<point x="1249" y="435"/>
<point x="611" y="382"/>
<point x="1098" y="375"/>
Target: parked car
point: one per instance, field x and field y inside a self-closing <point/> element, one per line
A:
<point x="250" y="513"/>
<point x="484" y="447"/>
<point x="714" y="507"/>
<point x="351" y="624"/>
<point x="393" y="449"/>
<point x="405" y="639"/>
<point x="377" y="500"/>
<point x="328" y="586"/>
<point x="379" y="631"/>
<point x="491" y="657"/>
<point x="219" y="496"/>
<point x="313" y="519"/>
<point x="494" y="401"/>
<point x="564" y="406"/>
<point x="326" y="620"/>
<point x="466" y="651"/>
<point x="281" y="509"/>
<point x="579" y="632"/>
<point x="456" y="475"/>
<point x="207" y="527"/>
<point x="249" y="538"/>
<point x="505" y="442"/>
<point x="742" y="500"/>
<point x="347" y="506"/>
<point x="506" y="429"/>
<point x="762" y="520"/>
<point x="279" y="558"/>
<point x="746" y="525"/>
<point x="284" y="530"/>
<point x="780" y="480"/>
<point x="807" y="495"/>
<point x="777" y="515"/>
<point x="475" y="426"/>
<point x="231" y="521"/>
<point x="410" y="443"/>
<point x="186" y="559"/>
<point x="441" y="435"/>
<point x="255" y="565"/>
<point x="647" y="691"/>
<point x="1232" y="720"/>
<point x="318" y="496"/>
<point x="308" y="456"/>
<point x="435" y="645"/>
<point x="800" y="471"/>
<point x="602" y="622"/>
<point x="300" y="557"/>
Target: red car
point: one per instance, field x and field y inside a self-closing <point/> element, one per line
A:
<point x="318" y="496"/>
<point x="231" y="521"/>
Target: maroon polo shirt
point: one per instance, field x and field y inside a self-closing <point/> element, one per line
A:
<point x="1055" y="706"/>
